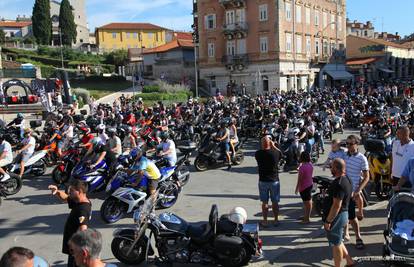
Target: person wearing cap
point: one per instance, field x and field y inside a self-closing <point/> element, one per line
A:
<point x="143" y="166"/>
<point x="6" y="156"/>
<point x="19" y="123"/>
<point x="129" y="141"/>
<point x="168" y="151"/>
<point x="101" y="133"/>
<point x="86" y="137"/>
<point x="24" y="154"/>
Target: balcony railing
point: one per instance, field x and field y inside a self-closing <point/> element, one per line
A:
<point x="233" y="3"/>
<point x="237" y="61"/>
<point x="236" y="30"/>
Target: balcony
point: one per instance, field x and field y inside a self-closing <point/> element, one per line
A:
<point x="235" y="30"/>
<point x="233" y="3"/>
<point x="235" y="62"/>
<point x="320" y="59"/>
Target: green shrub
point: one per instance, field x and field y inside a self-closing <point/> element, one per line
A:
<point x="82" y="95"/>
<point x="47" y="71"/>
<point x="177" y="97"/>
<point x="151" y="89"/>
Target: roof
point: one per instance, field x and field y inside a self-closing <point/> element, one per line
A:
<point x="131" y="26"/>
<point x="183" y="35"/>
<point x="383" y="42"/>
<point x="170" y="46"/>
<point x="362" y="61"/>
<point x="14" y="24"/>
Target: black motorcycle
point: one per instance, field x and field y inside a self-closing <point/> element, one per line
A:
<point x="210" y="154"/>
<point x="219" y="241"/>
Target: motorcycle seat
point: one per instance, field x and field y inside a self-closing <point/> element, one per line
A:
<point x="199" y="233"/>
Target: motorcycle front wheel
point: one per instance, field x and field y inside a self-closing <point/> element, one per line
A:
<point x="120" y="247"/>
<point x="112" y="210"/>
<point x="201" y="164"/>
<point x="168" y="195"/>
<point x="13" y="185"/>
<point x="383" y="191"/>
<point x="58" y="176"/>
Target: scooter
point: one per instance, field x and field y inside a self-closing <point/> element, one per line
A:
<point x="35" y="166"/>
<point x="12" y="184"/>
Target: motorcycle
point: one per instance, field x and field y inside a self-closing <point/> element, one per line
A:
<point x="95" y="177"/>
<point x="71" y="157"/>
<point x="35" y="166"/>
<point x="217" y="241"/>
<point x="379" y="168"/>
<point x="211" y="156"/>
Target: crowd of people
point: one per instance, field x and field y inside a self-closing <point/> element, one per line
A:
<point x="290" y="126"/>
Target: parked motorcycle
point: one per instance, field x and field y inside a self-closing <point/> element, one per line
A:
<point x="177" y="241"/>
<point x="12" y="184"/>
<point x="210" y="154"/>
<point x="35" y="166"/>
<point x="71" y="157"/>
<point x="94" y="177"/>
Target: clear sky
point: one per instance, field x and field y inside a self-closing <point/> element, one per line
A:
<point x="390" y="15"/>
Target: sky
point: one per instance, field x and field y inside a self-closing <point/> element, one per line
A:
<point x="390" y="16"/>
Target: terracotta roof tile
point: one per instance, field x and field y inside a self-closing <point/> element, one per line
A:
<point x="183" y="35"/>
<point x="131" y="26"/>
<point x="14" y="24"/>
<point x="362" y="61"/>
<point x="170" y="46"/>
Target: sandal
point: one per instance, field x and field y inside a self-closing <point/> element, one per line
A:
<point x="359" y="244"/>
<point x="360" y="217"/>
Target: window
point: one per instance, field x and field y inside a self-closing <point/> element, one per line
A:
<point x="230" y="17"/>
<point x="210" y="21"/>
<point x="135" y="35"/>
<point x="308" y="15"/>
<point x="156" y="36"/>
<point x="288" y="42"/>
<point x="288" y="11"/>
<point x="128" y="35"/>
<point x="129" y="46"/>
<point x="114" y="35"/>
<point x="333" y="47"/>
<point x="211" y="50"/>
<point x="298" y="44"/>
<point x="325" y="47"/>
<point x="317" y="47"/>
<point x="308" y="45"/>
<point x="231" y="48"/>
<point x="332" y="21"/>
<point x="316" y="18"/>
<point x="241" y="46"/>
<point x="339" y="23"/>
<point x="241" y="15"/>
<point x="150" y="36"/>
<point x="366" y="33"/>
<point x="325" y="19"/>
<point x="263" y="12"/>
<point x="263" y="44"/>
<point x="298" y="14"/>
<point x="213" y="81"/>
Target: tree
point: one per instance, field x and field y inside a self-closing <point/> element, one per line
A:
<point x="2" y="36"/>
<point x="42" y="23"/>
<point x="117" y="57"/>
<point x="67" y="23"/>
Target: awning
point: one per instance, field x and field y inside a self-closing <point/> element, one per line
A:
<point x="386" y="70"/>
<point x="340" y="75"/>
<point x="362" y="61"/>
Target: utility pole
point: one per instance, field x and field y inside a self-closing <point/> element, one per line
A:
<point x="196" y="69"/>
<point x="61" y="46"/>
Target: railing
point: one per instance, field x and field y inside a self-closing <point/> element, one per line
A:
<point x="238" y="26"/>
<point x="240" y="59"/>
<point x="234" y="3"/>
<point x="18" y="73"/>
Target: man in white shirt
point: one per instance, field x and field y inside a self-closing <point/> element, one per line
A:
<point x="168" y="149"/>
<point x="24" y="154"/>
<point x="6" y="156"/>
<point x="402" y="151"/>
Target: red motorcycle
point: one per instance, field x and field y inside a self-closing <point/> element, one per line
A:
<point x="70" y="158"/>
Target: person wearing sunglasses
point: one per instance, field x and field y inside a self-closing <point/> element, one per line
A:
<point x="357" y="170"/>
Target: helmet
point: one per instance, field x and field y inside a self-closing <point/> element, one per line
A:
<point x="128" y="129"/>
<point x="164" y="135"/>
<point x="136" y="152"/>
<point x="238" y="215"/>
<point x="20" y="115"/>
<point x="111" y="130"/>
<point x="59" y="117"/>
<point x="101" y="126"/>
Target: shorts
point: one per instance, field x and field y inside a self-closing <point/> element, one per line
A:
<point x="269" y="190"/>
<point x="5" y="162"/>
<point x="23" y="157"/>
<point x="336" y="233"/>
<point x="152" y="184"/>
<point x="351" y="209"/>
<point x="306" y="194"/>
<point x="60" y="144"/>
<point x="225" y="147"/>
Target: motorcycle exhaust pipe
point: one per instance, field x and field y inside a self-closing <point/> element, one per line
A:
<point x="182" y="175"/>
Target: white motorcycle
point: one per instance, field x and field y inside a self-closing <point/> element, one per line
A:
<point x="35" y="166"/>
<point x="11" y="184"/>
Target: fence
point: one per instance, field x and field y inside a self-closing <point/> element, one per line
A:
<point x="18" y="73"/>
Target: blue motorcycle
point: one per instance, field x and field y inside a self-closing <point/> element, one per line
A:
<point x="94" y="177"/>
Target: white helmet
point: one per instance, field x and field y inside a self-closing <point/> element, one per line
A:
<point x="101" y="126"/>
<point x="238" y="215"/>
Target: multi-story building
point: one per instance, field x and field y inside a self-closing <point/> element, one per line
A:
<point x="115" y="36"/>
<point x="268" y="44"/>
<point x="79" y="14"/>
<point x="389" y="37"/>
<point x="21" y="29"/>
<point x="356" y="28"/>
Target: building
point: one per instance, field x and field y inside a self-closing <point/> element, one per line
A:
<point x="373" y="60"/>
<point x="79" y="13"/>
<point x="20" y="29"/>
<point x="360" y="29"/>
<point x="115" y="36"/>
<point x="173" y="61"/>
<point x="389" y="37"/>
<point x="268" y="45"/>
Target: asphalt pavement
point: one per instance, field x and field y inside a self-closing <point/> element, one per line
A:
<point x="35" y="219"/>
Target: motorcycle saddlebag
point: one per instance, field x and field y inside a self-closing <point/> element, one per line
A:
<point x="374" y="146"/>
<point x="228" y="246"/>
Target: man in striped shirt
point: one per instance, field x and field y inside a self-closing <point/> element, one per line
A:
<point x="357" y="170"/>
